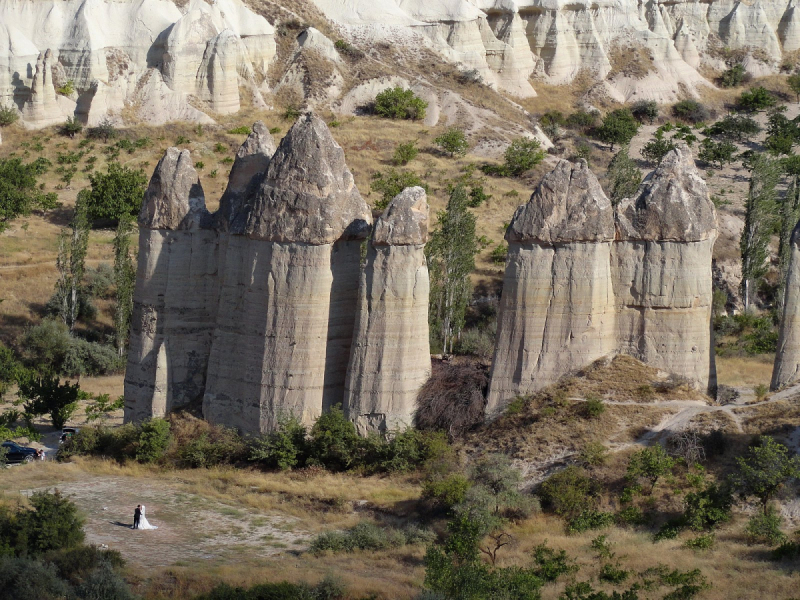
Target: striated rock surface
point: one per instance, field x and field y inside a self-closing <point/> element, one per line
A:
<point x="41" y="109"/>
<point x="786" y="370"/>
<point x="662" y="271"/>
<point x="557" y="310"/>
<point x="390" y="359"/>
<point x="291" y="271"/>
<point x="174" y="309"/>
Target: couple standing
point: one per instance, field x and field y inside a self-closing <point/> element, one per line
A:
<point x="139" y="520"/>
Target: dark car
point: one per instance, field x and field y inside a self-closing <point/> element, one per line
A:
<point x="17" y="453"/>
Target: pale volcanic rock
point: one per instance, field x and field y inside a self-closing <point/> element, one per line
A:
<point x="786" y="370"/>
<point x="557" y="310"/>
<point x="390" y="359"/>
<point x="662" y="271"/>
<point x="42" y="109"/>
<point x="174" y="309"/>
<point x="291" y="269"/>
<point x="217" y="77"/>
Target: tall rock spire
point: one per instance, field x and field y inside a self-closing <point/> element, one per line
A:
<point x="787" y="358"/>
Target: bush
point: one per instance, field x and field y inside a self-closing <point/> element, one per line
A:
<point x="756" y="99"/>
<point x="645" y="110"/>
<point x="20" y="194"/>
<point x="582" y="120"/>
<point x="220" y="445"/>
<point x="46" y="344"/>
<point x="241" y="130"/>
<point x="733" y="77"/>
<point x="104" y="583"/>
<point x="453" y="141"/>
<point x="701" y="542"/>
<point x="391" y="183"/>
<point x="405" y="153"/>
<point x="588" y="520"/>
<point x="367" y="536"/>
<point x="448" y="491"/>
<point x="734" y="127"/>
<point x="593" y="407"/>
<point x="26" y="579"/>
<point x="651" y="464"/>
<point x="552" y="564"/>
<point x="115" y="193"/>
<point x="284" y="448"/>
<point x="153" y="440"/>
<point x="765" y="528"/>
<point x="8" y="116"/>
<point x="593" y="454"/>
<point x="569" y="493"/>
<point x="52" y="523"/>
<point x="91" y="358"/>
<point x="708" y="508"/>
<point x="657" y="148"/>
<point x="522" y="155"/>
<point x="452" y="400"/>
<point x="46" y="396"/>
<point x="398" y="103"/>
<point x="499" y="254"/>
<point x="333" y="441"/>
<point x="104" y="131"/>
<point x="71" y="127"/>
<point x="719" y="153"/>
<point x="613" y="574"/>
<point x="690" y="111"/>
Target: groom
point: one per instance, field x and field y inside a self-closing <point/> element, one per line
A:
<point x="137" y="514"/>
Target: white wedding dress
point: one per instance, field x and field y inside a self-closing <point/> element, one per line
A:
<point x="143" y="522"/>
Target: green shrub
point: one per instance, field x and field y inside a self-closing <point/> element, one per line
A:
<point x="733" y="77"/>
<point x="45" y="395"/>
<point x="499" y="254"/>
<point x="618" y="127"/>
<point x="284" y="448"/>
<point x="391" y="183"/>
<point x="582" y="120"/>
<point x="522" y="155"/>
<point x="91" y="358"/>
<point x="588" y="520"/>
<point x="153" y="440"/>
<point x="27" y="579"/>
<point x="105" y="131"/>
<point x="787" y="550"/>
<point x="690" y="111"/>
<point x="701" y="542"/>
<point x="668" y="531"/>
<point x="398" y="103"/>
<point x="657" y="148"/>
<point x="405" y="153"/>
<point x="115" y="193"/>
<point x="756" y="99"/>
<point x="645" y="110"/>
<point x="51" y="523"/>
<point x="734" y="127"/>
<point x="593" y="454"/>
<point x="453" y="141"/>
<point x="241" y="130"/>
<point x="221" y="445"/>
<point x="448" y="491"/>
<point x="613" y="573"/>
<point x="104" y="583"/>
<point x="765" y="528"/>
<point x="593" y="407"/>
<point x="333" y="441"/>
<point x="71" y="127"/>
<point x="8" y="116"/>
<point x="766" y="468"/>
<point x="708" y="508"/>
<point x="633" y="516"/>
<point x="20" y="191"/>
<point x="552" y="564"/>
<point x="719" y="153"/>
<point x="569" y="493"/>
<point x="367" y="536"/>
<point x="291" y="113"/>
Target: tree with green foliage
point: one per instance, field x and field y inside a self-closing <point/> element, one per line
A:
<point x="650" y="464"/>
<point x="451" y="259"/>
<point x="657" y="148"/>
<point x="283" y="449"/>
<point x="765" y="469"/>
<point x="19" y="189"/>
<point x="623" y="176"/>
<point x="73" y="244"/>
<point x="51" y="523"/>
<point x="789" y="215"/>
<point x="154" y="436"/>
<point x="618" y="127"/>
<point x="690" y="111"/>
<point x="645" y="110"/>
<point x="453" y="141"/>
<point x="719" y="153"/>
<point x="333" y="441"/>
<point x="399" y="103"/>
<point x="734" y="127"/>
<point x="756" y="99"/>
<point x="793" y="81"/>
<point x="391" y="183"/>
<point x="115" y="193"/>
<point x="759" y="222"/>
<point x="45" y="395"/>
<point x="124" y="283"/>
<point x="522" y="155"/>
<point x="71" y="127"/>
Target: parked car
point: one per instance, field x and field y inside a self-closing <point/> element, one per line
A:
<point x="18" y="454"/>
<point x="66" y="433"/>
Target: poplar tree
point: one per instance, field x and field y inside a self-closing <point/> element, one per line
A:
<point x="125" y="281"/>
<point x="759" y="221"/>
<point x="73" y="244"/>
<point x="789" y="216"/>
<point x="451" y="259"/>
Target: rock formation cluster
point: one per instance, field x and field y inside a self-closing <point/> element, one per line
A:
<point x="287" y="301"/>
<point x="263" y="311"/>
<point x="166" y="61"/>
<point x="585" y="279"/>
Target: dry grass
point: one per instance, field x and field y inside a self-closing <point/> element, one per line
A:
<point x="780" y="418"/>
<point x="744" y="371"/>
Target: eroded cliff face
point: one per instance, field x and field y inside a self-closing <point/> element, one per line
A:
<point x="584" y="280"/>
<point x="786" y="370"/>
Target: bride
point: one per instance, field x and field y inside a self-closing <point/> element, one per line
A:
<point x="143" y="522"/>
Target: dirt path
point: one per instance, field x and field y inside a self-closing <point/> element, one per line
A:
<point x="190" y="528"/>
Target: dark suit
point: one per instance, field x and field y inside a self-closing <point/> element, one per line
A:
<point x="136" y="516"/>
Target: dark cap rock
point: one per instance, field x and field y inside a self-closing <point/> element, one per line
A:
<point x="174" y="199"/>
<point x="568" y="205"/>
<point x="308" y="194"/>
<point x="672" y="204"/>
<point x="405" y="220"/>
